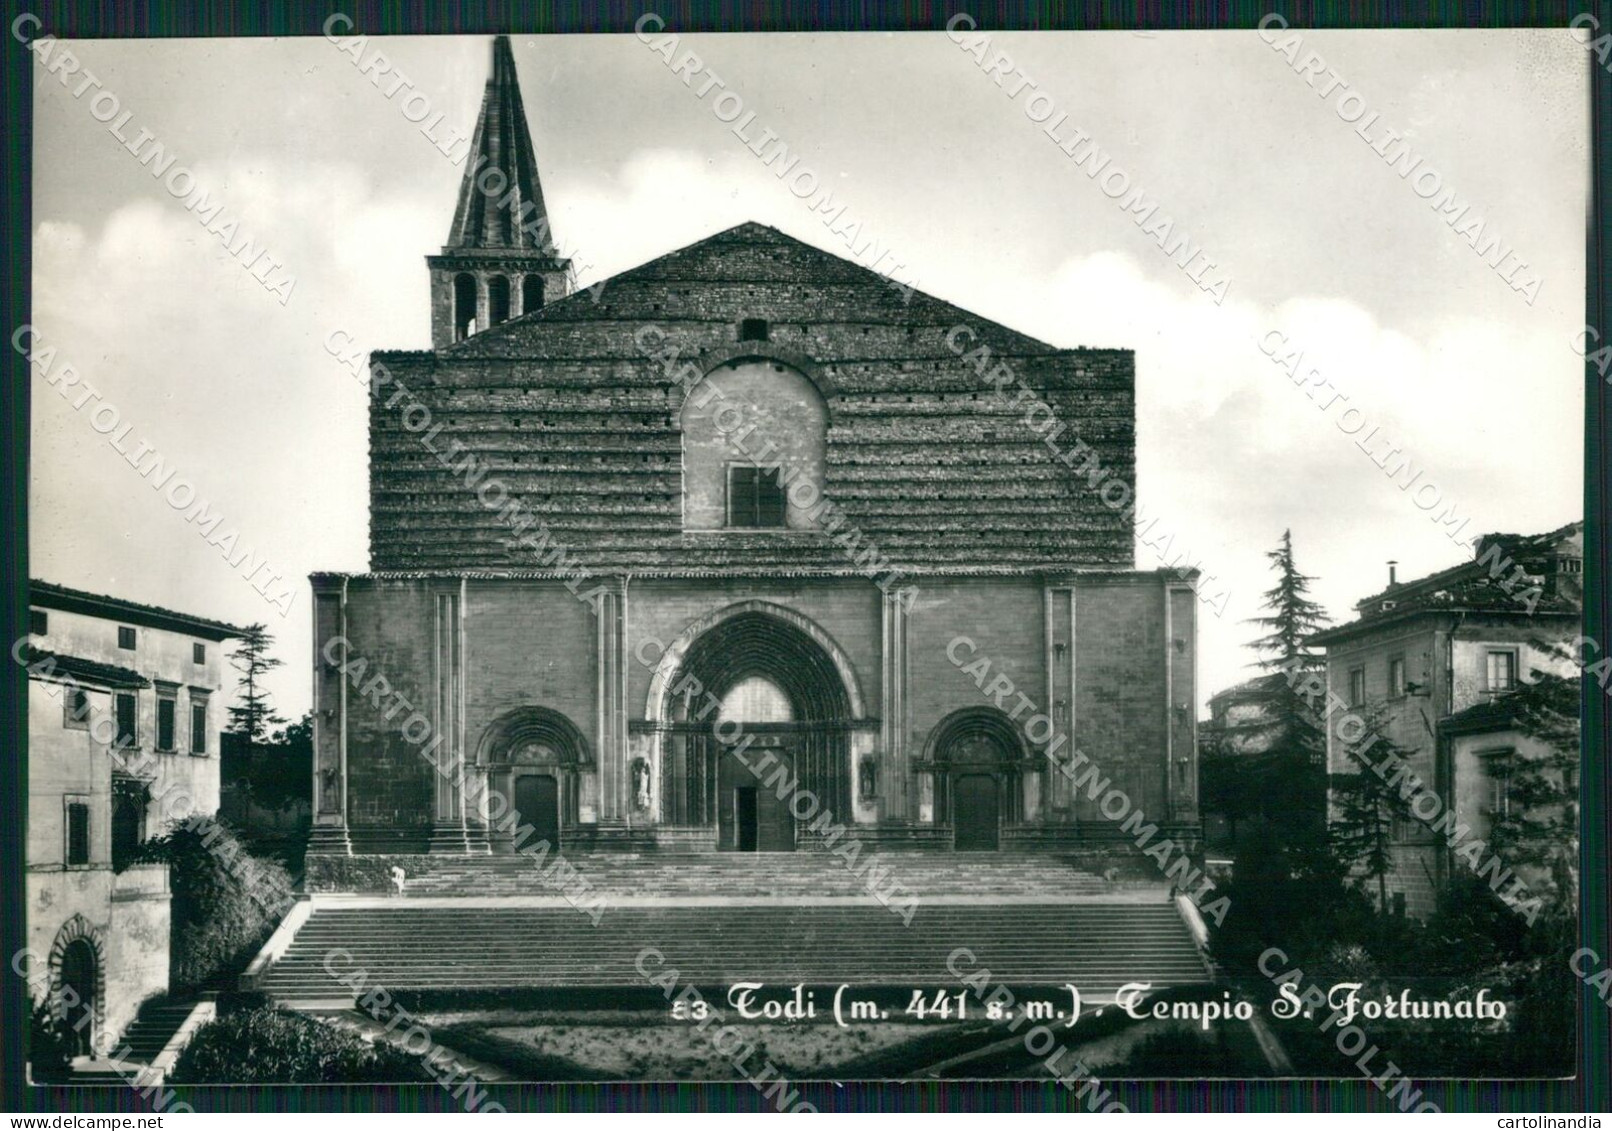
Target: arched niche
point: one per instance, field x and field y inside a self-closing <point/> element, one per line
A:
<point x="750" y="414"/>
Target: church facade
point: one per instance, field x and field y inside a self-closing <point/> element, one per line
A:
<point x="738" y="546"/>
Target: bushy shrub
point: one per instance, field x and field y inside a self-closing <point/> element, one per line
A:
<point x="226" y="902"/>
<point x="265" y="1045"/>
<point x="50" y="1042"/>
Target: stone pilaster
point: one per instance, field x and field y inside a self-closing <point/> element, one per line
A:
<point x="896" y="784"/>
<point x="1059" y="606"/>
<point x="448" y="829"/>
<point x="329" y="832"/>
<point x="1181" y="683"/>
<point x="610" y="667"/>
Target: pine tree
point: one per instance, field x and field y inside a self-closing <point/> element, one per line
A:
<point x="253" y="717"/>
<point x="1293" y="617"/>
<point x="1287" y="741"/>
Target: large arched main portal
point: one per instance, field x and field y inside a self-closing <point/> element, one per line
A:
<point x="755" y="692"/>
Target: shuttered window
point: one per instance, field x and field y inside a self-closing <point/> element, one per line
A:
<point x="755" y="497"/>
<point x="198" y="725"/>
<point x="165" y="723"/>
<point x="127" y="734"/>
<point x="78" y="833"/>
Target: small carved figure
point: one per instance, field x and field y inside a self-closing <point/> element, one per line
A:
<point x="399" y="878"/>
<point x="640" y="784"/>
<point x="868" y="779"/>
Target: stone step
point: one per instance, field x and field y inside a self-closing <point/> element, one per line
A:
<point x="1092" y="945"/>
<point x="150" y="1032"/>
<point x="777" y="874"/>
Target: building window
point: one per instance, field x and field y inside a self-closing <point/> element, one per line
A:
<point x="531" y="294"/>
<point x="165" y="722"/>
<point x="497" y="301"/>
<point x="1572" y="565"/>
<point x="198" y="725"/>
<point x="198" y="653"/>
<point x="464" y="307"/>
<point x="1357" y="687"/>
<point x="1499" y="792"/>
<point x="753" y="330"/>
<point x="78" y="833"/>
<point x="38" y="622"/>
<point x="76" y="708"/>
<point x="1502" y="670"/>
<point x="128" y="734"/>
<point x="1396" y="677"/>
<point x="125" y="638"/>
<point x="755" y="497"/>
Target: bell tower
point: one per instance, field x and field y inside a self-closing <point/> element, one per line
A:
<point x="500" y="261"/>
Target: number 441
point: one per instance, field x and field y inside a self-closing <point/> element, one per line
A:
<point x="941" y="1005"/>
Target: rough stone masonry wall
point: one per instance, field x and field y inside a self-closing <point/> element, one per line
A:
<point x="923" y="456"/>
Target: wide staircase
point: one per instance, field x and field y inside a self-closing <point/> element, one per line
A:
<point x="618" y="876"/>
<point x="479" y="924"/>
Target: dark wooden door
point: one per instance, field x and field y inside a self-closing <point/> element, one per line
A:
<point x="975" y="812"/>
<point x="775" y="827"/>
<point x="79" y="976"/>
<point x="751" y="816"/>
<point x="744" y="818"/>
<point x="537" y="799"/>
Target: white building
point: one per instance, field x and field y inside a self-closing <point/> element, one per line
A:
<point x="1421" y="652"/>
<point x="125" y="707"/>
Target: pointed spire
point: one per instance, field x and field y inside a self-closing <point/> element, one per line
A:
<point x="500" y="199"/>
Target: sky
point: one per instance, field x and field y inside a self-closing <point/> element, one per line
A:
<point x="1320" y="241"/>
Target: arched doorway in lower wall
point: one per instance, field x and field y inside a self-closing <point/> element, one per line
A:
<point x="756" y="714"/>
<point x="532" y="758"/>
<point x="78" y="983"/>
<point x="978" y="761"/>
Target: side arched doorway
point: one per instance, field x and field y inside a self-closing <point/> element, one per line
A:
<point x="78" y="984"/>
<point x="532" y="758"/>
<point x="978" y="761"/>
<point x="755" y="722"/>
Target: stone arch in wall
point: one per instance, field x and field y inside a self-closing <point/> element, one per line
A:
<point x="77" y="937"/>
<point x="752" y="414"/>
<point x="464" y="306"/>
<point x="666" y="668"/>
<point x="531" y="294"/>
<point x="797" y="689"/>
<point x="971" y="744"/>
<point x="498" y="299"/>
<point x="519" y="749"/>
